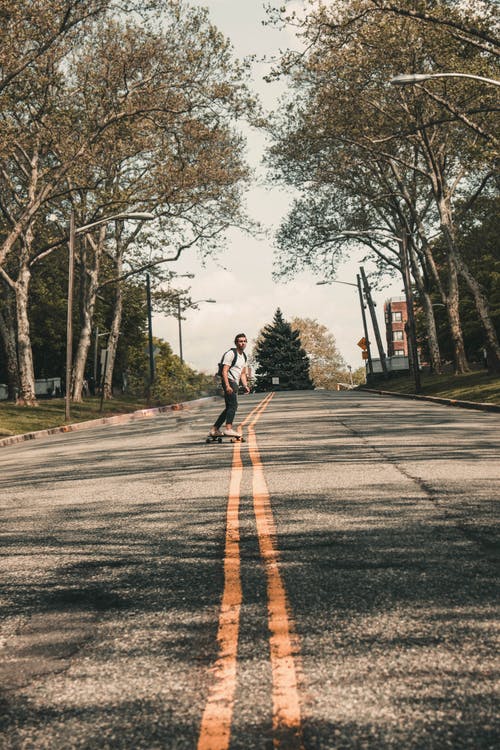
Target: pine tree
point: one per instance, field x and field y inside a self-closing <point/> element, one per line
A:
<point x="279" y="353"/>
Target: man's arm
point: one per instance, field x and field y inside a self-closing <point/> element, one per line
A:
<point x="244" y="380"/>
<point x="225" y="379"/>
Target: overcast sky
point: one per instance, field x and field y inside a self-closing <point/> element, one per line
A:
<point x="240" y="280"/>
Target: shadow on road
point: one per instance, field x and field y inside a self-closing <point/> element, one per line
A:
<point x="394" y="604"/>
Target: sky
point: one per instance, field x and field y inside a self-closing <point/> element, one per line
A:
<point x="240" y="278"/>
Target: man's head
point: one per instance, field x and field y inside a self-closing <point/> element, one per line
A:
<point x="241" y="341"/>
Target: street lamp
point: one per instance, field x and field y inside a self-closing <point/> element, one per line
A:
<point x="402" y="80"/>
<point x="180" y="310"/>
<point x="73" y="231"/>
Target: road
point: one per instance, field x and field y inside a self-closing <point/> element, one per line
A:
<point x="330" y="583"/>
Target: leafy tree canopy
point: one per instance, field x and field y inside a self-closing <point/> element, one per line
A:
<point x="326" y="364"/>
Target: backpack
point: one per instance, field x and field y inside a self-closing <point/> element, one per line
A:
<point x="235" y="357"/>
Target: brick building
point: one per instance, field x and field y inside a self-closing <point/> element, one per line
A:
<point x="396" y="317"/>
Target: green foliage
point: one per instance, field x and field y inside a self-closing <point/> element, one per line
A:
<point x="133" y="327"/>
<point x="279" y="353"/>
<point x="174" y="380"/>
<point x="479" y="243"/>
<point x="47" y="313"/>
<point x="359" y="376"/>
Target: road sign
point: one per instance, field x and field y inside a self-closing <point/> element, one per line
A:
<point x="364" y="354"/>
<point x="362" y="343"/>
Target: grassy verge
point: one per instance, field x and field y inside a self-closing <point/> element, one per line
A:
<point x="16" y="420"/>
<point x="474" y="386"/>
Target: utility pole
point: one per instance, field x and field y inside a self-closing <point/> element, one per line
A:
<point x="69" y="319"/>
<point x="376" y="330"/>
<point x="179" y="323"/>
<point x="365" y="327"/>
<point x="150" y="332"/>
<point x="96" y="346"/>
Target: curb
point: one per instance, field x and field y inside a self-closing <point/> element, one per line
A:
<point x="477" y="405"/>
<point x="117" y="419"/>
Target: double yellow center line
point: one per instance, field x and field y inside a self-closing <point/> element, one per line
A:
<point x="215" y="732"/>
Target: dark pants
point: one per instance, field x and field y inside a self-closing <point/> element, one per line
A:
<point x="229" y="412"/>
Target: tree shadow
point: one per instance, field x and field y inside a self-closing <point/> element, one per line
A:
<point x="394" y="607"/>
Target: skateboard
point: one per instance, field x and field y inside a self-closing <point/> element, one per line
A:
<point x="221" y="438"/>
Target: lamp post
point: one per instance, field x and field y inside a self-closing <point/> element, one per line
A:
<point x="150" y="334"/>
<point x="410" y="78"/>
<point x="180" y="310"/>
<point x="73" y="231"/>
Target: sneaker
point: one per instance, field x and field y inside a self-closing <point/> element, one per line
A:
<point x="231" y="433"/>
<point x="214" y="432"/>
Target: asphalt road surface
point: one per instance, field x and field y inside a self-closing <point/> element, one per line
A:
<point x="329" y="583"/>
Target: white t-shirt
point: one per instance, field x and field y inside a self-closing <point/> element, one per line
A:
<point x="234" y="371"/>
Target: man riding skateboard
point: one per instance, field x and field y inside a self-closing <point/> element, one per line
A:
<point x="232" y="368"/>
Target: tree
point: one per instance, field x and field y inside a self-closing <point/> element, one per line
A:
<point x="30" y="29"/>
<point x="174" y="380"/>
<point x="132" y="115"/>
<point x="470" y="29"/>
<point x="326" y="365"/>
<point x="478" y="241"/>
<point x="344" y="129"/>
<point x="279" y="353"/>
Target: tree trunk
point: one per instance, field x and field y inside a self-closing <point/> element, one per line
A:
<point x="432" y="337"/>
<point x="442" y="196"/>
<point x="90" y="278"/>
<point x="115" y="329"/>
<point x="8" y="337"/>
<point x="84" y="341"/>
<point x="452" y="308"/>
<point x="453" y="296"/>
<point x="24" y="353"/>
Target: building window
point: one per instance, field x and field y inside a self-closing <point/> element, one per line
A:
<point x="397" y="335"/>
<point x="397" y="317"/>
<point x="399" y="353"/>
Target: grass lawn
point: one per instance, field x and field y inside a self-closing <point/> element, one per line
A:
<point x="474" y="386"/>
<point x="16" y="420"/>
